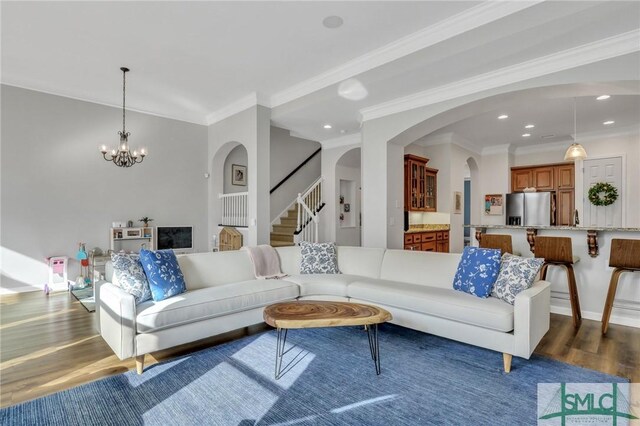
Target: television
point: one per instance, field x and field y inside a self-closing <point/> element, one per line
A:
<point x="175" y="237"/>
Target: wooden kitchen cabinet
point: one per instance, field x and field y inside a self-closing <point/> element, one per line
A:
<point x="521" y="179"/>
<point x="420" y="185"/>
<point x="566" y="175"/>
<point x="543" y="178"/>
<point x="436" y="241"/>
<point x="565" y="207"/>
<point x="550" y="177"/>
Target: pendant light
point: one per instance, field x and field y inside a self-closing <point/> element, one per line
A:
<point x="575" y="150"/>
<point x="123" y="157"/>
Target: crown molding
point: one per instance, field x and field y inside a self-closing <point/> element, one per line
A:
<point x="76" y="98"/>
<point x="600" y="50"/>
<point x="497" y="149"/>
<point x="354" y="139"/>
<point x="477" y="16"/>
<point x="240" y="105"/>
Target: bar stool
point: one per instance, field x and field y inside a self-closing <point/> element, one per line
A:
<point x="497" y="241"/>
<point x="625" y="257"/>
<point x="557" y="251"/>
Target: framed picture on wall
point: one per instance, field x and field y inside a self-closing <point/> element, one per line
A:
<point x="457" y="202"/>
<point x="238" y="175"/>
<point x="493" y="204"/>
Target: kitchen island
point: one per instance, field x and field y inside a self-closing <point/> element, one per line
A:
<point x="592" y="272"/>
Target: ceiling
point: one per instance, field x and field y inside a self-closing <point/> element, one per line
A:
<point x="195" y="60"/>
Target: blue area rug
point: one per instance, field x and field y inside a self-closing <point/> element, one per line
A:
<point x="425" y="380"/>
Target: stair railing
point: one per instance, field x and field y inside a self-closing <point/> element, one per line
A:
<point x="309" y="205"/>
<point x="234" y="209"/>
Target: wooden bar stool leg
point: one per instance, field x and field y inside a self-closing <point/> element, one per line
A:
<point x="573" y="296"/>
<point x="611" y="294"/>
<point x="543" y="271"/>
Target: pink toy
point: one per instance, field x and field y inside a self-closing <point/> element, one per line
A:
<point x="57" y="274"/>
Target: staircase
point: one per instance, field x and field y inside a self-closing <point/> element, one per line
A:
<point x="300" y="221"/>
<point x="283" y="233"/>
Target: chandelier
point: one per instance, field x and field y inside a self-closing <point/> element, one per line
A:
<point x="123" y="157"/>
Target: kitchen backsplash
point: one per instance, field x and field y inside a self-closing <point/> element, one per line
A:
<point x="428" y="218"/>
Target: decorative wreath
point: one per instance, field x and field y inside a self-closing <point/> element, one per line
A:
<point x="610" y="194"/>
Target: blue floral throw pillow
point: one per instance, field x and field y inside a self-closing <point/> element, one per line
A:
<point x="130" y="277"/>
<point x="477" y="271"/>
<point x="318" y="258"/>
<point x="163" y="272"/>
<point x="516" y="274"/>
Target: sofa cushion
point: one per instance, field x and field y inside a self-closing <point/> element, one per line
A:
<point x="419" y="267"/>
<point x="477" y="271"/>
<point x="318" y="258"/>
<point x="446" y="303"/>
<point x="360" y="261"/>
<point x="202" y="270"/>
<point x="516" y="275"/>
<point x="323" y="284"/>
<point x="206" y="303"/>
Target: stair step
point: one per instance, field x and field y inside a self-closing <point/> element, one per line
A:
<point x="285" y="229"/>
<point x="286" y="221"/>
<point x="281" y="236"/>
<point x="276" y="243"/>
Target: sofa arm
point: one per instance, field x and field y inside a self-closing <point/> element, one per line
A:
<point x="531" y="317"/>
<point x="118" y="320"/>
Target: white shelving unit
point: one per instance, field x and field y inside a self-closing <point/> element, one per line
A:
<point x="132" y="239"/>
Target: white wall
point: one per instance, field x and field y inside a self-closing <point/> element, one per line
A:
<point x="238" y="155"/>
<point x="57" y="190"/>
<point x="287" y="152"/>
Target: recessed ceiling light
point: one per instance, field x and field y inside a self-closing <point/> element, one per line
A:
<point x="332" y="21"/>
<point x="503" y="116"/>
<point x="526" y="135"/>
<point x="529" y="126"/>
<point x="608" y="122"/>
<point x="343" y="131"/>
<point x="327" y="126"/>
<point x="603" y="97"/>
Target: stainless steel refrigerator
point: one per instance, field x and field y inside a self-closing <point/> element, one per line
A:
<point x="531" y="208"/>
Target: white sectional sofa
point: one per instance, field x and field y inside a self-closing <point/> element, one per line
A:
<point x="416" y="287"/>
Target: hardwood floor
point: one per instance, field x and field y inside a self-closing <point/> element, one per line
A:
<point x="49" y="343"/>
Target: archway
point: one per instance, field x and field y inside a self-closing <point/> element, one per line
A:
<point x="348" y="193"/>
<point x="221" y="183"/>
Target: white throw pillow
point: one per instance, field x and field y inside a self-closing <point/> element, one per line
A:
<point x="516" y="275"/>
<point x="129" y="275"/>
<point x="318" y="258"/>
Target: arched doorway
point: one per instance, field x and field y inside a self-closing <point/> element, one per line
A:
<point x="228" y="190"/>
<point x="348" y="193"/>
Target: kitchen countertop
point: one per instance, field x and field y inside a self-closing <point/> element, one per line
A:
<point x="559" y="228"/>
<point x="427" y="228"/>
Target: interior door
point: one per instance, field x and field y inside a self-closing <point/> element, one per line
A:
<point x="602" y="170"/>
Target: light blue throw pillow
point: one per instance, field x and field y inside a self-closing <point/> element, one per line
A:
<point x="163" y="272"/>
<point x="516" y="275"/>
<point x="477" y="271"/>
<point x="129" y="276"/>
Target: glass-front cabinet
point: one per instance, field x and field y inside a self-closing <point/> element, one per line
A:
<point x="421" y="185"/>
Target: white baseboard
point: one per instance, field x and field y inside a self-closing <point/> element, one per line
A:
<point x="13" y="290"/>
<point x="597" y="316"/>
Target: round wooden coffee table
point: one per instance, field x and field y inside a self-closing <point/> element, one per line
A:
<point x="314" y="314"/>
